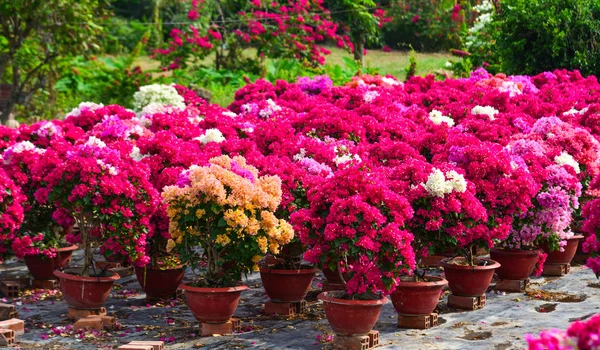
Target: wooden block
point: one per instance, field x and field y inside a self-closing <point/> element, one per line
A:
<point x="135" y="347"/>
<point x="466" y="303"/>
<point x="7" y="311"/>
<point x="556" y="270"/>
<point x="351" y="342"/>
<point x="14" y="324"/>
<point x="236" y="324"/>
<point x="209" y="329"/>
<point x="156" y="345"/>
<point x="417" y="321"/>
<point x="373" y="339"/>
<point x="10" y="289"/>
<point x="7" y="337"/>
<point x="93" y="322"/>
<point x="515" y="286"/>
<point x="122" y="271"/>
<point x="75" y="314"/>
<point x="328" y="286"/>
<point x="45" y="284"/>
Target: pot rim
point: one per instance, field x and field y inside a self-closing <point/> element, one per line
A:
<point x="576" y="237"/>
<point x="154" y="268"/>
<point x="60" y="274"/>
<point x="69" y="248"/>
<point x="324" y="297"/>
<point x="444" y="263"/>
<point x="307" y="271"/>
<point x="187" y="287"/>
<point x="532" y="251"/>
<point x="439" y="281"/>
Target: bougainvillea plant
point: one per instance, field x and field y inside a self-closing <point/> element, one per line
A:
<point x="356" y="225"/>
<point x="11" y="211"/>
<point x="580" y="335"/>
<point x="110" y="198"/>
<point x="226" y="209"/>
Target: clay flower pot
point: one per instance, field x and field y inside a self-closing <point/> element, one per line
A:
<point x="212" y="305"/>
<point x="287" y="285"/>
<point x="351" y="317"/>
<point x="42" y="268"/>
<point x="85" y="292"/>
<point x="469" y="281"/>
<point x="515" y="264"/>
<point x="418" y="298"/>
<point x="565" y="257"/>
<point x="157" y="283"/>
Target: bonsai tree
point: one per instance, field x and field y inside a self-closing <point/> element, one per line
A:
<point x="447" y="215"/>
<point x="356" y="224"/>
<point x="11" y="210"/>
<point x="109" y="197"/>
<point x="227" y="210"/>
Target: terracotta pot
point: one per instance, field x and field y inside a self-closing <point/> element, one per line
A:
<point x="351" y="317"/>
<point x="418" y="298"/>
<point x="212" y="305"/>
<point x="565" y="257"/>
<point x="85" y="292"/>
<point x="332" y="276"/>
<point x="287" y="285"/>
<point x="515" y="264"/>
<point x="157" y="283"/>
<point x="42" y="267"/>
<point x="469" y="281"/>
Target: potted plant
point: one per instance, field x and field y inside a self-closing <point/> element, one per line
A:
<point x="111" y="200"/>
<point x="40" y="239"/>
<point x="221" y="222"/>
<point x="11" y="211"/>
<point x="445" y="209"/>
<point x="355" y="224"/>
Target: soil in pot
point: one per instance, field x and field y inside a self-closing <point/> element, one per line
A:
<point x="287" y="285"/>
<point x="564" y="257"/>
<point x="42" y="268"/>
<point x="417" y="298"/>
<point x="212" y="305"/>
<point x="85" y="292"/>
<point x="515" y="264"/>
<point x="351" y="317"/>
<point x="469" y="281"/>
<point x="159" y="283"/>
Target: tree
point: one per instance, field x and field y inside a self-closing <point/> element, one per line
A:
<point x="35" y="35"/>
<point x="357" y="17"/>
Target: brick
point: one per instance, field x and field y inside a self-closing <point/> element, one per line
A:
<point x="352" y="342"/>
<point x="373" y="339"/>
<point x="556" y="270"/>
<point x="14" y="324"/>
<point x="209" y="329"/>
<point x="93" y="322"/>
<point x="45" y="284"/>
<point x="156" y="345"/>
<point x="75" y="314"/>
<point x="10" y="289"/>
<point x="417" y="321"/>
<point x="135" y="347"/>
<point x="107" y="320"/>
<point x="466" y="303"/>
<point x="236" y="325"/>
<point x="512" y="286"/>
<point x="7" y="337"/>
<point x="23" y="281"/>
<point x="7" y="311"/>
<point x="122" y="271"/>
<point x="284" y="309"/>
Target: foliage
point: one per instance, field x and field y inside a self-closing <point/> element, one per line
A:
<point x="35" y="35"/>
<point x="226" y="209"/>
<point x="539" y="35"/>
<point x="11" y="210"/>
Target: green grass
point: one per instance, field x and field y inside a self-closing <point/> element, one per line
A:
<point x="393" y="63"/>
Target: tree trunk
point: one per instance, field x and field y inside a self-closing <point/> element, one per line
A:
<point x="359" y="50"/>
